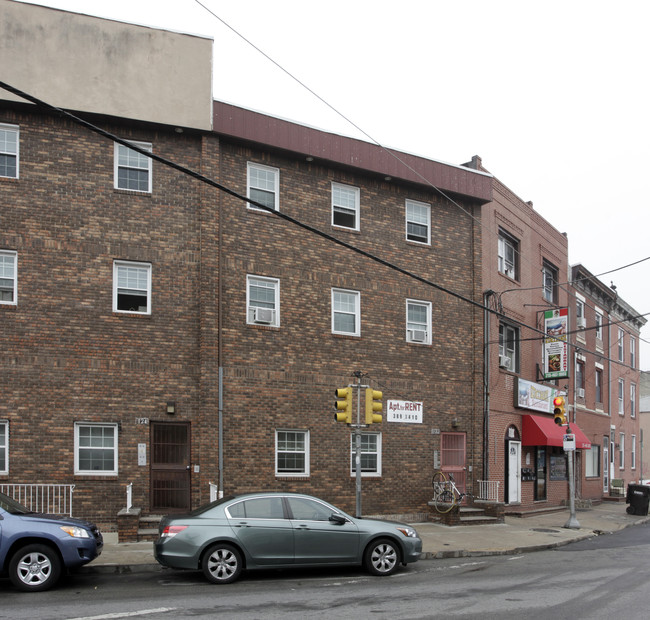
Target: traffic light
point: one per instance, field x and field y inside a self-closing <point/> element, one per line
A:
<point x="373" y="403"/>
<point x="343" y="407"/>
<point x="559" y="402"/>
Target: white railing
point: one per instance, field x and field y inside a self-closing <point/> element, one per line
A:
<point x="129" y="496"/>
<point x="53" y="499"/>
<point x="214" y="492"/>
<point x="488" y="490"/>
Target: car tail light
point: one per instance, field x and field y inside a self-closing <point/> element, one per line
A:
<point x="170" y="531"/>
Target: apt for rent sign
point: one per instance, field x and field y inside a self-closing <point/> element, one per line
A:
<point x="404" y="411"/>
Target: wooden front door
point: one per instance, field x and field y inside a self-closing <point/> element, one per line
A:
<point x="170" y="466"/>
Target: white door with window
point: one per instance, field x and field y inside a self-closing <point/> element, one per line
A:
<point x="514" y="472"/>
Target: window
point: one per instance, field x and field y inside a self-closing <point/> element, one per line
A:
<point x="4" y="447"/>
<point x="581" y="321"/>
<point x="418" y="221"/>
<point x="418" y="321"/>
<point x="621" y="451"/>
<point x="621" y="347"/>
<point x="95" y="450"/>
<point x="633" y="400"/>
<point x="263" y="301"/>
<point x="346" y="312"/>
<point x="8" y="277"/>
<point x="132" y="287"/>
<point x="592" y="462"/>
<point x="508" y="255"/>
<point x="549" y="273"/>
<point x="633" y="452"/>
<point x="580" y="374"/>
<point x="345" y="206"/>
<point x="263" y="186"/>
<point x="621" y="392"/>
<point x="598" y="320"/>
<point x="370" y="454"/>
<point x="508" y="347"/>
<point x="599" y="385"/>
<point x="132" y="169"/>
<point x="9" y="151"/>
<point x="292" y="453"/>
<point x="304" y="509"/>
<point x="258" y="508"/>
<point x="632" y="352"/>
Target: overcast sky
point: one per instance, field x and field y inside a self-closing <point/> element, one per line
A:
<point x="552" y="95"/>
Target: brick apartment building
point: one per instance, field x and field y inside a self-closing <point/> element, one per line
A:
<point x="606" y="385"/>
<point x="163" y="334"/>
<point x="526" y="280"/>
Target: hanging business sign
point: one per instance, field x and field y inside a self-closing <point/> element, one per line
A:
<point x="534" y="396"/>
<point x="556" y="348"/>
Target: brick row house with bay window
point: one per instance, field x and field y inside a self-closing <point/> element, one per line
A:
<point x="163" y="336"/>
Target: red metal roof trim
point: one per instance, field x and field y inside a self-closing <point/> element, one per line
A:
<point x="269" y="131"/>
<point x="539" y="431"/>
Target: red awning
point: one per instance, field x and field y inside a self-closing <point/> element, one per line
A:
<point x="541" y="431"/>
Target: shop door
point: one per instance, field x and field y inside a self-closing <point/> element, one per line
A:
<point x="452" y="461"/>
<point x="170" y="467"/>
<point x="606" y="465"/>
<point x="514" y="472"/>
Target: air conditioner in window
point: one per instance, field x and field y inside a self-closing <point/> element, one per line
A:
<point x="263" y="315"/>
<point x="418" y="335"/>
<point x="581" y="322"/>
<point x="504" y="361"/>
<point x="581" y="392"/>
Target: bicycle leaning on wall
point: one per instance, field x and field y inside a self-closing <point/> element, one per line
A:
<point x="446" y="494"/>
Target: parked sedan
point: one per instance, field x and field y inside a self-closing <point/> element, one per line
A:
<point x="280" y="530"/>
<point x="35" y="548"/>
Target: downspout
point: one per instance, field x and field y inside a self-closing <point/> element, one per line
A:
<point x="486" y="385"/>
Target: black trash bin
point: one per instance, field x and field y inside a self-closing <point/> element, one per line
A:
<point x="638" y="498"/>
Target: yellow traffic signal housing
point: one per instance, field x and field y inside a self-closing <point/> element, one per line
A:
<point x="559" y="413"/>
<point x="343" y="407"/>
<point x="373" y="404"/>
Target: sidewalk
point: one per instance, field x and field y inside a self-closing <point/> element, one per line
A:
<point x="516" y="535"/>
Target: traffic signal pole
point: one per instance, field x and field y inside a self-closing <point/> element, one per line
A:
<point x="357" y="443"/>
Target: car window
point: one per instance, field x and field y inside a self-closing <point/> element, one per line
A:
<point x="259" y="508"/>
<point x="302" y="508"/>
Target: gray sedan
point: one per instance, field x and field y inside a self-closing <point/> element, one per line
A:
<point x="280" y="530"/>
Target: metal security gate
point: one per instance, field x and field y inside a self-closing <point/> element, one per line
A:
<point x="452" y="452"/>
<point x="170" y="467"/>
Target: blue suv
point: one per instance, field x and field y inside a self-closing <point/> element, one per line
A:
<point x="35" y="548"/>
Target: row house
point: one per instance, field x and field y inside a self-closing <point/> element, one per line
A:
<point x="605" y="385"/>
<point x="182" y="335"/>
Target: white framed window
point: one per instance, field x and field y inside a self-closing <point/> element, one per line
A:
<point x="292" y="453"/>
<point x="133" y="170"/>
<point x="592" y="461"/>
<point x="633" y="400"/>
<point x="418" y="222"/>
<point x="621" y="345"/>
<point x="508" y="251"/>
<point x="370" y="455"/>
<point x="621" y="396"/>
<point x="632" y="352"/>
<point x="95" y="448"/>
<point x="345" y="206"/>
<point x="508" y="347"/>
<point x="550" y="280"/>
<point x="598" y="320"/>
<point x="346" y="312"/>
<point x="418" y="321"/>
<point x="262" y="301"/>
<point x="598" y="380"/>
<point x="263" y="186"/>
<point x="9" y="151"/>
<point x="633" y="452"/>
<point x="4" y="447"/>
<point x="8" y="277"/>
<point x="621" y="451"/>
<point x="132" y="287"/>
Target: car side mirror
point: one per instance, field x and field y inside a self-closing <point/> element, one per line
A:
<point x="338" y="519"/>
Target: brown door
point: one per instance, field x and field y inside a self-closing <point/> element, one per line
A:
<point x="170" y="466"/>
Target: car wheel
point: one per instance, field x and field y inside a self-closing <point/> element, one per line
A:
<point x="35" y="568"/>
<point x="222" y="564"/>
<point x="382" y="557"/>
